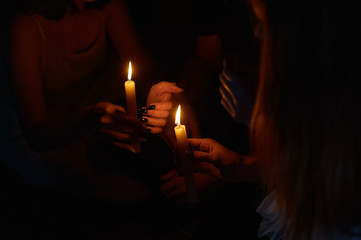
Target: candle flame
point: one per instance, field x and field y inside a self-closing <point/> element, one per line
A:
<point x="177" y="116"/>
<point x="130" y="71"/>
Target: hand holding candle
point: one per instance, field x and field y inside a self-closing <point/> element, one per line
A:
<point x="131" y="102"/>
<point x="181" y="136"/>
<point x="161" y="96"/>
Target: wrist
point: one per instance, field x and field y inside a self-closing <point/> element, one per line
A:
<point x="90" y="115"/>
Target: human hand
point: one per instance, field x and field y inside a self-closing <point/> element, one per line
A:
<point x="161" y="97"/>
<point x="207" y="150"/>
<point x="175" y="189"/>
<point x="116" y="126"/>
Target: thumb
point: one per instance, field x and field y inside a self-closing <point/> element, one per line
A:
<point x="169" y="87"/>
<point x="175" y="89"/>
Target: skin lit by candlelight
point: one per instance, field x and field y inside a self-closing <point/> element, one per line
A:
<point x="130" y="71"/>
<point x="177" y="116"/>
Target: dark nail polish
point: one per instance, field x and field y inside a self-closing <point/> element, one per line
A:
<point x="151" y="107"/>
<point x="147" y="130"/>
<point x="143" y="110"/>
<point x="144" y="120"/>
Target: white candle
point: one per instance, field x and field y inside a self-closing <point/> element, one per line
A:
<point x="131" y="102"/>
<point x="186" y="163"/>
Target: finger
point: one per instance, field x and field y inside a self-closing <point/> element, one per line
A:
<point x="167" y="87"/>
<point x="156" y="122"/>
<point x="201" y="167"/>
<point x="162" y="106"/>
<point x="118" y="144"/>
<point x="126" y="118"/>
<point x="112" y="108"/>
<point x="123" y="122"/>
<point x="165" y="188"/>
<point x="119" y="108"/>
<point x="115" y="135"/>
<point x="120" y="126"/>
<point x="154" y="130"/>
<point x="168" y="186"/>
<point x="208" y="168"/>
<point x="157" y="113"/>
<point x="124" y="146"/>
<point x="173" y="88"/>
<point x="200" y="156"/>
<point x="106" y="121"/>
<point x="172" y="173"/>
<point x="201" y="144"/>
<point x="174" y="195"/>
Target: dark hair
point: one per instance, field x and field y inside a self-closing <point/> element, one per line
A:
<point x="306" y="125"/>
<point x="55" y="9"/>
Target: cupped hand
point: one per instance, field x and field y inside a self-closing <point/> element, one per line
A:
<point x="116" y="126"/>
<point x="161" y="95"/>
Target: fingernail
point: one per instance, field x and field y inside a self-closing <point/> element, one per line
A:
<point x="144" y="120"/>
<point x="143" y="110"/>
<point x="151" y="107"/>
<point x="147" y="130"/>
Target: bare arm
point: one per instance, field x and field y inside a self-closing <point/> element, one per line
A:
<point x="199" y="75"/>
<point x="43" y="132"/>
<point x="125" y="38"/>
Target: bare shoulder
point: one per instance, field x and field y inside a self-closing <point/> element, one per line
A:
<point x="24" y="25"/>
<point x="113" y="6"/>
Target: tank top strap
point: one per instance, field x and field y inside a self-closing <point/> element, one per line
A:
<point x="40" y="28"/>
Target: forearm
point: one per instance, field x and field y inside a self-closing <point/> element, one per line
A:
<point x="197" y="77"/>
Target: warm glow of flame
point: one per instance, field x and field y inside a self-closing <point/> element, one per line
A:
<point x="130" y="71"/>
<point x="177" y="116"/>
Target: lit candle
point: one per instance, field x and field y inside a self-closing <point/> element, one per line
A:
<point x="186" y="163"/>
<point x="131" y="102"/>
